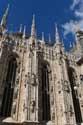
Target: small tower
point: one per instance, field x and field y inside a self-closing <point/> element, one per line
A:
<point x="33" y="28"/>
<point x="4" y="18"/>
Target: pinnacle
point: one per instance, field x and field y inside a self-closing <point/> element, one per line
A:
<point x="33" y="29"/>
<point x="4" y="18"/>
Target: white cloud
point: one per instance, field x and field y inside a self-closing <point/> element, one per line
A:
<point x="79" y="14"/>
<point x="79" y="11"/>
<point x="73" y="25"/>
<point x="75" y="2"/>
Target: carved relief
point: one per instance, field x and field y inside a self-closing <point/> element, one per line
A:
<point x="66" y="86"/>
<point x="33" y="104"/>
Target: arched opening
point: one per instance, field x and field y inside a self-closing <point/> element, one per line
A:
<point x="76" y="103"/>
<point x="45" y="93"/>
<point x="9" y="88"/>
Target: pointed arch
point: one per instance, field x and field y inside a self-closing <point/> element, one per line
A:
<point x="72" y="78"/>
<point x="9" y="85"/>
<point x="45" y="70"/>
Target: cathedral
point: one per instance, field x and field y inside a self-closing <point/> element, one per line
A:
<point x="40" y="83"/>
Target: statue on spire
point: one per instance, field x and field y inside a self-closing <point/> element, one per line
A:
<point x="4" y="18"/>
<point x="33" y="29"/>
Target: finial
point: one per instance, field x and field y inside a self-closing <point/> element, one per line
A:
<point x="24" y="32"/>
<point x="57" y="38"/>
<point x="49" y="38"/>
<point x="43" y="39"/>
<point x="20" y="30"/>
<point x="4" y="18"/>
<point x="33" y="30"/>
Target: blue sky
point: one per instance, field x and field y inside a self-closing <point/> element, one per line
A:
<point x="66" y="13"/>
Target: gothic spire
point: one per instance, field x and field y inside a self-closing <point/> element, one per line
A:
<point x="43" y="39"/>
<point x="20" y="30"/>
<point x="24" y="32"/>
<point x="33" y="29"/>
<point x="57" y="38"/>
<point x="4" y="18"/>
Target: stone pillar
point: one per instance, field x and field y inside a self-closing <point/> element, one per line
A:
<point x="69" y="108"/>
<point x="63" y="94"/>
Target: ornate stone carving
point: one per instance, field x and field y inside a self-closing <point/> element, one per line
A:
<point x="33" y="104"/>
<point x="66" y="86"/>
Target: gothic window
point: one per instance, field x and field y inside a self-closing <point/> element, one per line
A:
<point x="45" y="94"/>
<point x="76" y="103"/>
<point x="9" y="88"/>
